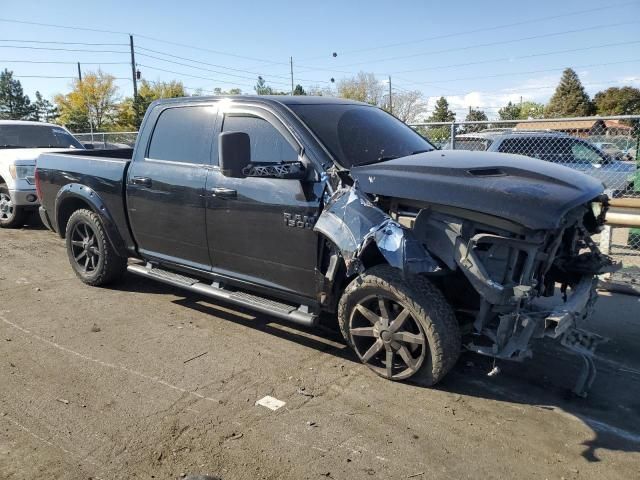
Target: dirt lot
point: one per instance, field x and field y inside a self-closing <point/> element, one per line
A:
<point x="141" y="381"/>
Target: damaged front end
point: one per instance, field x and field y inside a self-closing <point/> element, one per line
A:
<point x="494" y="272"/>
<point x="353" y="223"/>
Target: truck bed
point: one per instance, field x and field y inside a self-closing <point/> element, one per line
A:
<point x="97" y="176"/>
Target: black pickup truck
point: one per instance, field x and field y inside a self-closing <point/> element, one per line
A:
<point x="301" y="206"/>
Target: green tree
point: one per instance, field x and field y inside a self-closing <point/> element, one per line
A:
<point x="231" y="91"/>
<point x="521" y="111"/>
<point x="510" y="111"/>
<point x="299" y="90"/>
<point x="43" y="109"/>
<point x="14" y="104"/>
<point x="149" y="92"/>
<point x="441" y="112"/>
<point x="262" y="88"/>
<point x="618" y="101"/>
<point x="570" y="99"/>
<point x="91" y="104"/>
<point x="475" y="116"/>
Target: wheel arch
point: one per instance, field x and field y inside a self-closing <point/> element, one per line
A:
<point x="73" y="197"/>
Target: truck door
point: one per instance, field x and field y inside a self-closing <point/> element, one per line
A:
<point x="166" y="185"/>
<point x="260" y="229"/>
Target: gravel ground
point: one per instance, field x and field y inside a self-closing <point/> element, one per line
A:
<point x="144" y="381"/>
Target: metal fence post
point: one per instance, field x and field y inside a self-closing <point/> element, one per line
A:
<point x="453" y="135"/>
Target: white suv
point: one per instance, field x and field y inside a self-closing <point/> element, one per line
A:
<point x="21" y="143"/>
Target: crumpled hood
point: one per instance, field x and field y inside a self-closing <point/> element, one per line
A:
<point x="27" y="156"/>
<point x="533" y="193"/>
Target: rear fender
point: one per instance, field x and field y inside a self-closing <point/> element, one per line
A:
<point x="71" y="195"/>
<point x="354" y="224"/>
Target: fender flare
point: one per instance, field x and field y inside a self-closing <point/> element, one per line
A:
<point x="353" y="224"/>
<point x="76" y="191"/>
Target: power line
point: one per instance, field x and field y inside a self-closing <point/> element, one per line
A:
<point x="478" y="45"/>
<point x="160" y="40"/>
<point x="202" y="68"/>
<point x="65" y="43"/>
<point x="62" y="77"/>
<point x="193" y="76"/>
<point x="533" y="55"/>
<point x="484" y="29"/>
<point x="200" y="62"/>
<point x="68" y="27"/>
<point x="62" y="63"/>
<point x="508" y="74"/>
<point x="61" y="49"/>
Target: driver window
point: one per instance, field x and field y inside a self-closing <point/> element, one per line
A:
<point x="267" y="143"/>
<point x="583" y="154"/>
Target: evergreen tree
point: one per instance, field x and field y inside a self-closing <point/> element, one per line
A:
<point x="475" y="116"/>
<point x="441" y="113"/>
<point x="570" y="98"/>
<point x="510" y="111"/>
<point x="299" y="90"/>
<point x="14" y="104"/>
<point x="43" y="109"/>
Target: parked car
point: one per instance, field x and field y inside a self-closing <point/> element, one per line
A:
<point x="297" y="206"/>
<point x="559" y="148"/>
<point x="610" y="149"/>
<point x="20" y="144"/>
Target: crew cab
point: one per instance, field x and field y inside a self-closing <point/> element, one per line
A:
<point x="299" y="206"/>
<point x="20" y="144"/>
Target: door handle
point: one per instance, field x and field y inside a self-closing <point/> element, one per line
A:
<point x="142" y="181"/>
<point x="222" y="192"/>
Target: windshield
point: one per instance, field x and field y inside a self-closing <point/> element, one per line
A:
<point x="36" y="136"/>
<point x="359" y="134"/>
<point x="475" y="144"/>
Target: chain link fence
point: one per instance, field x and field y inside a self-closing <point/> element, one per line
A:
<point x="603" y="147"/>
<point x="107" y="140"/>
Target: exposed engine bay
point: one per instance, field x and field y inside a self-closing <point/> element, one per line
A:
<point x="492" y="270"/>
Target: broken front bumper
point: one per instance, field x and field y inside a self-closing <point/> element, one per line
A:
<point x="512" y="338"/>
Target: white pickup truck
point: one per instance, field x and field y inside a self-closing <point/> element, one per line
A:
<point x="21" y="142"/>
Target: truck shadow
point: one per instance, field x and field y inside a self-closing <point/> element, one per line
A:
<point x="611" y="411"/>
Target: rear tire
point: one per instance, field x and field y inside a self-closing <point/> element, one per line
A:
<point x="11" y="216"/>
<point x="399" y="328"/>
<point x="92" y="257"/>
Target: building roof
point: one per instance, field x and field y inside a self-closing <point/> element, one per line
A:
<point x="572" y="125"/>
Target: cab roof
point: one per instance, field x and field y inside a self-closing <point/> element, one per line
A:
<point x="267" y="99"/>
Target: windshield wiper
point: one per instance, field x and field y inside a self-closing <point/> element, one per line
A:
<point x="421" y="151"/>
<point x="13" y="146"/>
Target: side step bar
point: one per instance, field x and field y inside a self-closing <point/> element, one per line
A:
<point x="300" y="315"/>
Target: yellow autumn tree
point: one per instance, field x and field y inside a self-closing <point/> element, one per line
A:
<point x="92" y="104"/>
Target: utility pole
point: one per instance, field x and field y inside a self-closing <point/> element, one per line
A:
<point x="291" y="65"/>
<point x="79" y="72"/>
<point x="390" y="98"/>
<point x="133" y="69"/>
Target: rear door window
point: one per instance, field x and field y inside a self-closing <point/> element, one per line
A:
<point x="527" y="146"/>
<point x="473" y="144"/>
<point x="183" y="134"/>
<point x="585" y="154"/>
<point x="268" y="145"/>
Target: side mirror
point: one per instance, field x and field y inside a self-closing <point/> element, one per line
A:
<point x="88" y="146"/>
<point x="234" y="153"/>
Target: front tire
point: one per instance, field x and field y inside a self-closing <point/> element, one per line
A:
<point x="399" y="328"/>
<point x="92" y="257"/>
<point x="11" y="216"/>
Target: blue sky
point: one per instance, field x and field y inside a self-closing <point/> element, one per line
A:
<point x="478" y="54"/>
